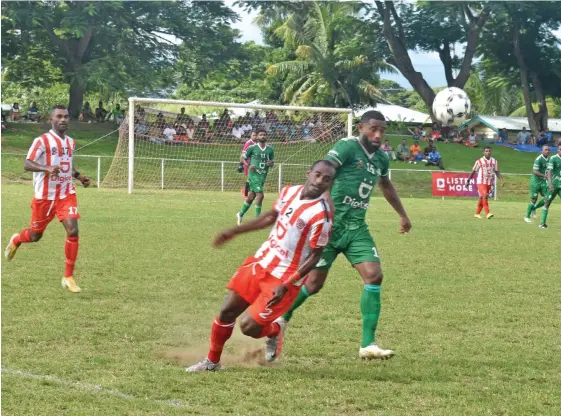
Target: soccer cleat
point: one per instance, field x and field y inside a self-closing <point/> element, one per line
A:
<point x="239" y="218"/>
<point x="70" y="284"/>
<point x="543" y="225"/>
<point x="528" y="220"/>
<point x="273" y="345"/>
<point x="477" y="216"/>
<point x="11" y="249"/>
<point x="204" y="365"/>
<point x="374" y="352"/>
<point x="489" y="216"/>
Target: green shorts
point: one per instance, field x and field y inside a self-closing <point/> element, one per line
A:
<point x="256" y="182"/>
<point x="550" y="196"/>
<point x="538" y="188"/>
<point x="357" y="245"/>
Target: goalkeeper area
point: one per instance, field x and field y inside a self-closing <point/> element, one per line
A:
<point x="174" y="144"/>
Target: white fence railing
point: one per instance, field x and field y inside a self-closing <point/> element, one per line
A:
<point x="398" y="175"/>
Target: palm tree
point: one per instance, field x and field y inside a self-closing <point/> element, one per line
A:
<point x="335" y="63"/>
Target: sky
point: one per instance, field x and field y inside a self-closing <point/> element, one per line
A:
<point x="427" y="63"/>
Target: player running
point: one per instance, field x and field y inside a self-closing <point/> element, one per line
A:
<point x="486" y="168"/>
<point x="553" y="181"/>
<point x="244" y="164"/>
<point x="268" y="282"/>
<point x="538" y="183"/>
<point x="50" y="159"/>
<point x="260" y="157"/>
<point x="360" y="165"/>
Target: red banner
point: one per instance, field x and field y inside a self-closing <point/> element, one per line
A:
<point x="455" y="184"/>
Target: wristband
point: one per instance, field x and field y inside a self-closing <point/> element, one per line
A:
<point x="295" y="276"/>
<point x="76" y="175"/>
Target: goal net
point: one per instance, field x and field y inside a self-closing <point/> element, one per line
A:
<point x="175" y="144"/>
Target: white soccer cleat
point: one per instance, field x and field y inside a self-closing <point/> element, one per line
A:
<point x="273" y="345"/>
<point x="374" y="352"/>
<point x="528" y="220"/>
<point x="239" y="218"/>
<point x="11" y="249"/>
<point x="202" y="366"/>
<point x="477" y="216"/>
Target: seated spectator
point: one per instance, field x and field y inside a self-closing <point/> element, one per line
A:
<point x="33" y="113"/>
<point x="15" y="113"/>
<point x="100" y="113"/>
<point x="141" y="129"/>
<point x="472" y="139"/>
<point x="428" y="149"/>
<point x="523" y="136"/>
<point x="256" y="120"/>
<point x="415" y="150"/>
<point x="388" y="150"/>
<point x="160" y="121"/>
<point x="403" y="152"/>
<point x="434" y="159"/>
<point x="542" y="139"/>
<point x="190" y="130"/>
<point x="203" y="128"/>
<point x="423" y="134"/>
<point x="548" y="135"/>
<point x="182" y="118"/>
<point x="169" y="133"/>
<point x="86" y="114"/>
<point x="416" y="133"/>
<point x="237" y="131"/>
<point x="117" y="113"/>
<point x="503" y="136"/>
<point x="246" y="125"/>
<point x="445" y="133"/>
<point x="435" y="135"/>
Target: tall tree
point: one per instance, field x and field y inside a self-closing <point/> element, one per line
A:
<point x="431" y="26"/>
<point x="132" y="44"/>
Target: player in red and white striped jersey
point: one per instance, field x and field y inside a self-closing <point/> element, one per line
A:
<point x="50" y="159"/>
<point x="485" y="168"/>
<point x="268" y="282"/>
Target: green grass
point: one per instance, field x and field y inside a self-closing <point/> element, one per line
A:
<point x="471" y="310"/>
<point x="195" y="175"/>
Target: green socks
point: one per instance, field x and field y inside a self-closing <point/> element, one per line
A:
<point x="300" y="299"/>
<point x="257" y="210"/>
<point x="370" y="306"/>
<point x="539" y="204"/>
<point x="244" y="209"/>
<point x="544" y="214"/>
<point x="532" y="207"/>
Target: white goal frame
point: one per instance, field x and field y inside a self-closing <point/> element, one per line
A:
<point x="133" y="101"/>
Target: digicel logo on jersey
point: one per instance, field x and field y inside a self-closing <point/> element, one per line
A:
<point x="354" y="203"/>
<point x="273" y="243"/>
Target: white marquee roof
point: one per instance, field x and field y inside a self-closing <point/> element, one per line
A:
<point x="398" y="113"/>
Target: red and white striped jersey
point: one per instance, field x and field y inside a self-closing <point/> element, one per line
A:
<point x="51" y="150"/>
<point x="485" y="169"/>
<point x="301" y="226"/>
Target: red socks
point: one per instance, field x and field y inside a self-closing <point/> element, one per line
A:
<point x="71" y="252"/>
<point x="479" y="206"/>
<point x="23" y="237"/>
<point x="221" y="332"/>
<point x="486" y="205"/>
<point x="270" y="330"/>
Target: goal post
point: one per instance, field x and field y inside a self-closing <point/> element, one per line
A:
<point x="185" y="144"/>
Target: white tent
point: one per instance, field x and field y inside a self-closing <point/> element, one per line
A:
<point x="240" y="112"/>
<point x="397" y="113"/>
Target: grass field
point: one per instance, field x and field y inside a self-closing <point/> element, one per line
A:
<point x="471" y="310"/>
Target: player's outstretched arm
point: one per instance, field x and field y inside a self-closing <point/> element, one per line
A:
<point x="263" y="221"/>
<point x="390" y="193"/>
<point x="82" y="178"/>
<point x="31" y="166"/>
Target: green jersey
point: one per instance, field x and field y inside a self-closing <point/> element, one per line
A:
<point x="259" y="157"/>
<point x="540" y="165"/>
<point x="356" y="176"/>
<point x="554" y="165"/>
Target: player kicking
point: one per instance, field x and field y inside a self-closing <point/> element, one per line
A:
<point x="244" y="164"/>
<point x="268" y="282"/>
<point x="50" y="160"/>
<point x="538" y="183"/>
<point x="360" y="165"/>
<point x="553" y="181"/>
<point x="486" y="168"/>
<point x="260" y="157"/>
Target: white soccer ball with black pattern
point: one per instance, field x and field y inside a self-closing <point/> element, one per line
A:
<point x="451" y="106"/>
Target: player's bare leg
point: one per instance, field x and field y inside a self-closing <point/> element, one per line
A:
<point x="247" y="203"/>
<point x="26" y="236"/>
<point x="316" y="280"/>
<point x="370" y="305"/>
<point x="71" y="253"/>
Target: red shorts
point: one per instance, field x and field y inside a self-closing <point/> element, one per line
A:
<point x="256" y="285"/>
<point x="483" y="190"/>
<point x="43" y="211"/>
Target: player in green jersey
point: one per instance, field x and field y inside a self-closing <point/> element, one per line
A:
<point x="360" y="166"/>
<point x="538" y="183"/>
<point x="261" y="157"/>
<point x="553" y="181"/>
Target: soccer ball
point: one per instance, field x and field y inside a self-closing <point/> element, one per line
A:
<point x="451" y="106"/>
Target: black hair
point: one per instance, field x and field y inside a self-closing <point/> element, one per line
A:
<point x="325" y="162"/>
<point x="372" y="115"/>
<point x="58" y="107"/>
<point x="259" y="130"/>
<point x="487" y="147"/>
